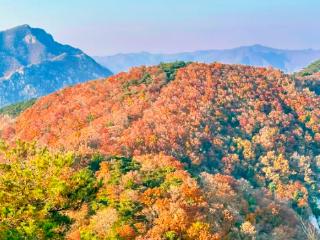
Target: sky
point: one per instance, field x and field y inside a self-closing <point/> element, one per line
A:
<point x="106" y="27"/>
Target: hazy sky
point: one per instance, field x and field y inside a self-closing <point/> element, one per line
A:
<point x="104" y="27"/>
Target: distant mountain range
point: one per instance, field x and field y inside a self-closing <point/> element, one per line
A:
<point x="256" y="55"/>
<point x="33" y="64"/>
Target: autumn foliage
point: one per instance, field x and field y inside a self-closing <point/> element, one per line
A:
<point x="208" y="151"/>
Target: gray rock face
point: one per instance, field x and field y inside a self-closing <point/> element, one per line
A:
<point x="256" y="55"/>
<point x="33" y="64"/>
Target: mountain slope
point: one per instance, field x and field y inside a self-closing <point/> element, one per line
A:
<point x="256" y="55"/>
<point x="313" y="68"/>
<point x="309" y="77"/>
<point x="16" y="109"/>
<point x="247" y="135"/>
<point x="32" y="64"/>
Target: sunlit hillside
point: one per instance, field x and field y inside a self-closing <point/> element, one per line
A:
<point x="175" y="151"/>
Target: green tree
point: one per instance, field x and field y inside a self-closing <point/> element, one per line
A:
<point x="36" y="188"/>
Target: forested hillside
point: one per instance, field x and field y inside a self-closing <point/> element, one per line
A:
<point x="175" y="151"/>
<point x="309" y="77"/>
<point x="313" y="68"/>
<point x="16" y="109"/>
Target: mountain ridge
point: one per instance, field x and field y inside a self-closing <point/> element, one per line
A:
<point x="33" y="64"/>
<point x="286" y="60"/>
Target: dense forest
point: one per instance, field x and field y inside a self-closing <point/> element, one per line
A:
<point x="175" y="151"/>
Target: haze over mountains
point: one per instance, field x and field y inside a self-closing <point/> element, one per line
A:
<point x="255" y="55"/>
<point x="33" y="64"/>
